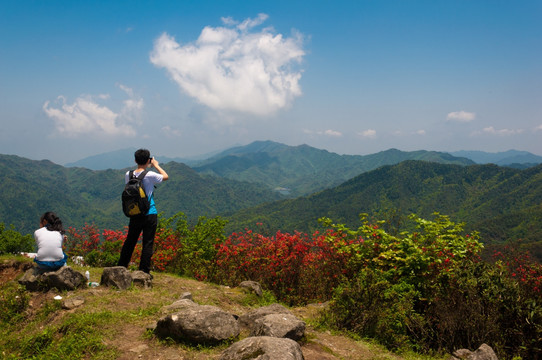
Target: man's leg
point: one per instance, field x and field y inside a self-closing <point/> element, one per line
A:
<point x="134" y="229"/>
<point x="149" y="230"/>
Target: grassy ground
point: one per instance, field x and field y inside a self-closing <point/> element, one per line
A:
<point x="112" y="324"/>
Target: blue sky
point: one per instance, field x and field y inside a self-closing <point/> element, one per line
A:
<point x="183" y="78"/>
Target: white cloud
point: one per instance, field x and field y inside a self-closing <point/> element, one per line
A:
<point x="461" y="116"/>
<point x="86" y="116"/>
<point x="369" y="133"/>
<point x="539" y="127"/>
<point x="420" y="132"/>
<point x="234" y="68"/>
<point x="333" y="133"/>
<point x="329" y="132"/>
<point x="490" y="130"/>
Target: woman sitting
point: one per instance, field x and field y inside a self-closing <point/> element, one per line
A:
<point x="49" y="239"/>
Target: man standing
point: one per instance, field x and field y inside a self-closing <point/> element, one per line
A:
<point x="143" y="223"/>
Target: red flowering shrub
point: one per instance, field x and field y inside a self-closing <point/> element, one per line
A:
<point x="295" y="267"/>
<point x="520" y="266"/>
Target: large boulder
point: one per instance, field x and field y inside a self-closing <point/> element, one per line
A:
<point x="65" y="278"/>
<point x="263" y="348"/>
<point x="116" y="276"/>
<point x="142" y="279"/>
<point x="199" y="324"/>
<point x="484" y="352"/>
<point x="279" y="325"/>
<point x="248" y="319"/>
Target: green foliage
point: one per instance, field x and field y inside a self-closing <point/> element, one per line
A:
<point x="371" y="306"/>
<point x="196" y="255"/>
<point x="12" y="242"/>
<point x="102" y="258"/>
<point x="14" y="300"/>
<point x="429" y="290"/>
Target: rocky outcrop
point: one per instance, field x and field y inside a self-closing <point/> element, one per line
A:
<point x="249" y="319"/>
<point x="198" y="324"/>
<point x="484" y="352"/>
<point x="280" y="326"/>
<point x="274" y="330"/>
<point x="64" y="278"/>
<point x="122" y="279"/>
<point x="116" y="276"/>
<point x="263" y="348"/>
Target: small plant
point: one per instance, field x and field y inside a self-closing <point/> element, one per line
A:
<point x="14" y="300"/>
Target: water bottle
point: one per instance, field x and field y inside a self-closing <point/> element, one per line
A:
<point x="87" y="275"/>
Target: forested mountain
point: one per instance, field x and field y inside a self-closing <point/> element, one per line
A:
<point x="82" y="196"/>
<point x="503" y="203"/>
<point x="304" y="169"/>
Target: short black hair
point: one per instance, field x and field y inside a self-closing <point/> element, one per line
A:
<point x="142" y="156"/>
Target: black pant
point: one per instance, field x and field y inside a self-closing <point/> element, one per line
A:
<point x="147" y="224"/>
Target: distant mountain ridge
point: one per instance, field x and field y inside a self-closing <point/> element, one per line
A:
<point x="123" y="158"/>
<point x="303" y="169"/>
<point x="504" y="158"/>
<point x="120" y="159"/>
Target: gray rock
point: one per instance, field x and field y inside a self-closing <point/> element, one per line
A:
<point x="248" y="319"/>
<point x="252" y="286"/>
<point x="116" y="276"/>
<point x="186" y="295"/>
<point x="142" y="279"/>
<point x="32" y="280"/>
<point x="263" y="348"/>
<point x="279" y="325"/>
<point x="73" y="302"/>
<point x="178" y="305"/>
<point x="65" y="278"/>
<point x="199" y="324"/>
<point x="484" y="352"/>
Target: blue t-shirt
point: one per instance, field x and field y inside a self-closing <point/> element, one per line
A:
<point x="152" y="178"/>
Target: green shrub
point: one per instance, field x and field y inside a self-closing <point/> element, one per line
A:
<point x="14" y="300"/>
<point x="196" y="254"/>
<point x="372" y="307"/>
<point x="430" y="290"/>
<point x="12" y="242"/>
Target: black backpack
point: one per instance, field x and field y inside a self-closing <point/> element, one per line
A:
<point x="134" y="199"/>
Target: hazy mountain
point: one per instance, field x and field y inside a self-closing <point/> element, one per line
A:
<point x="80" y="195"/>
<point x="121" y="159"/>
<point x="505" y="158"/>
<point x="304" y="169"/>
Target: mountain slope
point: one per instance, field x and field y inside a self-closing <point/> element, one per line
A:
<point x="82" y="196"/>
<point x="476" y="195"/>
<point x="304" y="169"/>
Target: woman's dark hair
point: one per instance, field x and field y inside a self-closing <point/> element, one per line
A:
<point x="53" y="222"/>
<point x="142" y="156"/>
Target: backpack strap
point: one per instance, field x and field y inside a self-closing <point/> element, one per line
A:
<point x="140" y="176"/>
